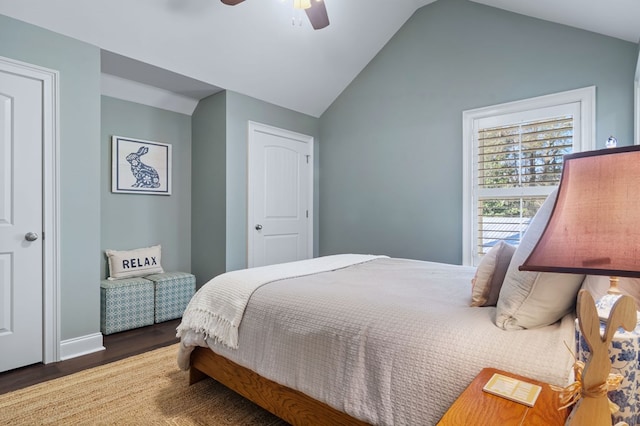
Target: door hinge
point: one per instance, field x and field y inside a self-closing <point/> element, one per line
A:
<point x="307" y="214"/>
<point x="308" y="158"/>
<point x="42" y="235"/>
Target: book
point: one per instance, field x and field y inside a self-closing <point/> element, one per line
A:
<point x="513" y="389"/>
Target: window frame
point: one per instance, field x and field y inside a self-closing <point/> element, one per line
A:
<point x="584" y="140"/>
<point x="636" y="104"/>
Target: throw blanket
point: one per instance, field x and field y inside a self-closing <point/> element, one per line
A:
<point x="216" y="309"/>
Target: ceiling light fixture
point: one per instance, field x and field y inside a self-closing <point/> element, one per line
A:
<point x="298" y="7"/>
<point x="301" y="4"/>
<point x="315" y="10"/>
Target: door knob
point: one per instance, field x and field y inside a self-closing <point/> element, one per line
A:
<point x="31" y="236"/>
<point x="258" y="227"/>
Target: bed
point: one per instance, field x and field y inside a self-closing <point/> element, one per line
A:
<point x="361" y="339"/>
<point x="382" y="341"/>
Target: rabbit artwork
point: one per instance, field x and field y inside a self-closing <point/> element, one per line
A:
<point x="146" y="176"/>
<point x="593" y="407"/>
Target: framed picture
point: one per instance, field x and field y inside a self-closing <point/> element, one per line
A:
<point x="140" y="167"/>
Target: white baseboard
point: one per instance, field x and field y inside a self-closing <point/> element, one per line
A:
<point x="82" y="345"/>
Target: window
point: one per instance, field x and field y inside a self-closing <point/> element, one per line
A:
<point x="637" y="104"/>
<point x="513" y="160"/>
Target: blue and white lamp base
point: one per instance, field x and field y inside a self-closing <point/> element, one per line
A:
<point x="624" y="354"/>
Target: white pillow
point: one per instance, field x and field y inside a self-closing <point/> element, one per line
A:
<point x="134" y="263"/>
<point x="490" y="274"/>
<point x="535" y="299"/>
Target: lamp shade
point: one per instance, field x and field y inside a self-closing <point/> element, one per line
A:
<point x="594" y="227"/>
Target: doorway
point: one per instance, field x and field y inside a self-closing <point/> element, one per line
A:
<point x="29" y="212"/>
<point x="280" y="196"/>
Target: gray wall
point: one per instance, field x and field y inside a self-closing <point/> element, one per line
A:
<point x="240" y="110"/>
<point x="132" y="220"/>
<point x="208" y="188"/>
<point x="389" y="155"/>
<point x="79" y="67"/>
<point x="391" y="151"/>
<point x="219" y="192"/>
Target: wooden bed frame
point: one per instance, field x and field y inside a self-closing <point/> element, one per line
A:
<point x="290" y="405"/>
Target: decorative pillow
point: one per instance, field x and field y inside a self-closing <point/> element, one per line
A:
<point x="535" y="299"/>
<point x="490" y="274"/>
<point x="134" y="263"/>
<point x="598" y="285"/>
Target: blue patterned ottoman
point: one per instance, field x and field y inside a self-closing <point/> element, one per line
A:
<point x="173" y="292"/>
<point x="125" y="304"/>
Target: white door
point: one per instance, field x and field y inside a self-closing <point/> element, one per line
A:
<point x="280" y="189"/>
<point x="21" y="279"/>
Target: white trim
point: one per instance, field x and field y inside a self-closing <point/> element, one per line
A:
<point x="51" y="205"/>
<point x="82" y="345"/>
<point x="259" y="127"/>
<point x="586" y="96"/>
<point x="584" y="136"/>
<point x="132" y="91"/>
<point x="51" y="212"/>
<point x="636" y="124"/>
<point x="636" y="103"/>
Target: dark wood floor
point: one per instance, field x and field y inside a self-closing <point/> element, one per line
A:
<point x="118" y="346"/>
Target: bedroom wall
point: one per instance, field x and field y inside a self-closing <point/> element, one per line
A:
<point x="79" y="67"/>
<point x="391" y="152"/>
<point x="133" y="220"/>
<point x="208" y="188"/>
<point x="240" y="110"/>
<point x="219" y="189"/>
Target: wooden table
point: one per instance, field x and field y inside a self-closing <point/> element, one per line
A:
<point x="474" y="407"/>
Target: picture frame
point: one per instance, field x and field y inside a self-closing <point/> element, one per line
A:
<point x="140" y="167"/>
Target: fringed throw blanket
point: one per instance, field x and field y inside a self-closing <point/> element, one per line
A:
<point x="216" y="309"/>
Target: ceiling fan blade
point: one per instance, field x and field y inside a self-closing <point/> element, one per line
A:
<point x="317" y="14"/>
<point x="231" y="2"/>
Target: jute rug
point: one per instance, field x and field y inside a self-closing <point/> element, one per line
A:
<point x="146" y="389"/>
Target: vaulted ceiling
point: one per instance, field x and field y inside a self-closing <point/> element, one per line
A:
<point x="262" y="48"/>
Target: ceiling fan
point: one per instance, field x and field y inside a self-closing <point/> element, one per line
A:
<point x="315" y="10"/>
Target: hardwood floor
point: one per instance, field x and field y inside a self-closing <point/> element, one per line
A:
<point x="118" y="346"/>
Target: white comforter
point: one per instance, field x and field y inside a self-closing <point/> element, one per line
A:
<point x="390" y="341"/>
<point x="216" y="310"/>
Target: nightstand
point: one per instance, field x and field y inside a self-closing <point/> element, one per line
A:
<point x="474" y="407"/>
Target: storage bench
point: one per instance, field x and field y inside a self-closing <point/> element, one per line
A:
<point x="125" y="304"/>
<point x="173" y="291"/>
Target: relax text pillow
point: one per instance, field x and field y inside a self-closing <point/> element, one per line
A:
<point x="134" y="263"/>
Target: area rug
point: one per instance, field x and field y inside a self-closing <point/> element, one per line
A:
<point x="146" y="389"/>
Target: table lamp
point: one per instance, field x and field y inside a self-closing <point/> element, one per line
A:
<point x="594" y="229"/>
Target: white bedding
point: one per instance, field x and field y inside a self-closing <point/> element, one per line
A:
<point x="216" y="310"/>
<point x="390" y="341"/>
